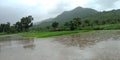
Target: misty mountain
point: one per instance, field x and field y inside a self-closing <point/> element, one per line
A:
<point x="68" y="15"/>
<point x="105" y="17"/>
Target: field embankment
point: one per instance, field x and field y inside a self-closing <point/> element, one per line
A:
<point x="50" y="34"/>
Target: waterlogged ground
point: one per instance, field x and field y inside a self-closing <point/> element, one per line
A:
<point x="95" y="45"/>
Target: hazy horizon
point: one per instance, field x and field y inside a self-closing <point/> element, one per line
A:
<point x="13" y="10"/>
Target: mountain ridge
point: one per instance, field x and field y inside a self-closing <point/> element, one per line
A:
<point x="69" y="15"/>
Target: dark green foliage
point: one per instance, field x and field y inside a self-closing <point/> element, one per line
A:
<point x="86" y="22"/>
<point x="23" y="25"/>
<point x="48" y="27"/>
<point x="103" y="27"/>
<point x="18" y="26"/>
<point x="5" y="27"/>
<point x="73" y="24"/>
<point x="26" y="23"/>
<point x="77" y="21"/>
<point x="102" y="18"/>
<point x="105" y="17"/>
<point x="13" y="29"/>
<point x="55" y="25"/>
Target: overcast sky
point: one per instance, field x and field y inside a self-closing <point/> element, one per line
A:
<point x="13" y="10"/>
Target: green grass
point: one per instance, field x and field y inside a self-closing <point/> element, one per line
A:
<point x="111" y="27"/>
<point x="3" y="33"/>
<point x="104" y="27"/>
<point x="50" y="34"/>
<point x="41" y="34"/>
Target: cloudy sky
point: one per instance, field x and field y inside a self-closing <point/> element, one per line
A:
<point x="13" y="10"/>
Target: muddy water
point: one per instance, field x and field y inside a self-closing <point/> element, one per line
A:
<point x="89" y="38"/>
<point x="12" y="48"/>
<point x="96" y="45"/>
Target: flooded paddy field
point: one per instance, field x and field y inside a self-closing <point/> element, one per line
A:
<point x="94" y="45"/>
<point x="89" y="38"/>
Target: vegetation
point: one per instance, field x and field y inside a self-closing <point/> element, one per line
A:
<point x="22" y="26"/>
<point x="66" y="23"/>
<point x="49" y="34"/>
<point x="105" y="17"/>
<point x="5" y="27"/>
<point x="73" y="24"/>
<point x="103" y="27"/>
<point x="3" y="33"/>
<point x="67" y="16"/>
<point x="55" y="25"/>
<point x="90" y="20"/>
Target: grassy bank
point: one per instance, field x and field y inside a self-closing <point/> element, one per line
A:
<point x="49" y="34"/>
<point x="104" y="27"/>
<point x="41" y="34"/>
<point x="3" y="33"/>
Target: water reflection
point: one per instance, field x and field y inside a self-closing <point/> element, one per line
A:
<point x="19" y="48"/>
<point x="0" y="48"/>
<point x="75" y="40"/>
<point x="10" y="41"/>
<point x="29" y="44"/>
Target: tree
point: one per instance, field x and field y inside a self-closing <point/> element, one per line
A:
<point x="48" y="27"/>
<point x="26" y="23"/>
<point x="77" y="21"/>
<point x="12" y="29"/>
<point x="66" y="25"/>
<point x="86" y="22"/>
<point x="23" y="25"/>
<point x="0" y="29"/>
<point x="18" y="26"/>
<point x="2" y="26"/>
<point x="55" y="25"/>
<point x="5" y="27"/>
<point x="73" y="24"/>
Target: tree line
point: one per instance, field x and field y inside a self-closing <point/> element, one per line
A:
<point x="100" y="18"/>
<point x="81" y="24"/>
<point x="97" y="19"/>
<point x="21" y="26"/>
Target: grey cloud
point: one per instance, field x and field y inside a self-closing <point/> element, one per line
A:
<point x="106" y="3"/>
<point x="10" y="14"/>
<point x="60" y="7"/>
<point x="12" y="11"/>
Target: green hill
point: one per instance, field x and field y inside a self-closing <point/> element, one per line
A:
<point x="90" y="17"/>
<point x="105" y="17"/>
<point x="67" y="16"/>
